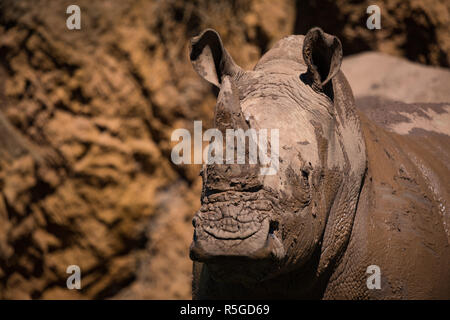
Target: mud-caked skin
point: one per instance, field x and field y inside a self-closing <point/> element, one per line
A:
<point x="347" y="194"/>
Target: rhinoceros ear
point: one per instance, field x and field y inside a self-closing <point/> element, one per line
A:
<point x="210" y="59"/>
<point x="322" y="54"/>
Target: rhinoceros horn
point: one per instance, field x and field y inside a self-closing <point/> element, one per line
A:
<point x="228" y="113"/>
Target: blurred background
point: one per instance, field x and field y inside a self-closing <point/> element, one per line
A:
<point x="86" y="118"/>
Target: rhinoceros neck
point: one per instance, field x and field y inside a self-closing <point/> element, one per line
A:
<point x="398" y="221"/>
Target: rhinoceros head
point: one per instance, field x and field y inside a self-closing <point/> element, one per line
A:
<point x="252" y="226"/>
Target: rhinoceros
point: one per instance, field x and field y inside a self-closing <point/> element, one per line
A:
<point x="354" y="211"/>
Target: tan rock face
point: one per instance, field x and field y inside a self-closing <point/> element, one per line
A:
<point x="93" y="184"/>
<point x="85" y="124"/>
<point x="378" y="74"/>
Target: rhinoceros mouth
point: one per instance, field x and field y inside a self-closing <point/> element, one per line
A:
<point x="233" y="225"/>
<point x="231" y="229"/>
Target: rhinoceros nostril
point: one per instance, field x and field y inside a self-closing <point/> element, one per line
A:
<point x="273" y="226"/>
<point x="305" y="174"/>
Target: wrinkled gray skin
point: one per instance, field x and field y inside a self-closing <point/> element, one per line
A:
<point x="285" y="235"/>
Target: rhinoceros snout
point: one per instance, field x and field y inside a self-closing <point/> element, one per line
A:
<point x="236" y="225"/>
<point x="260" y="244"/>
